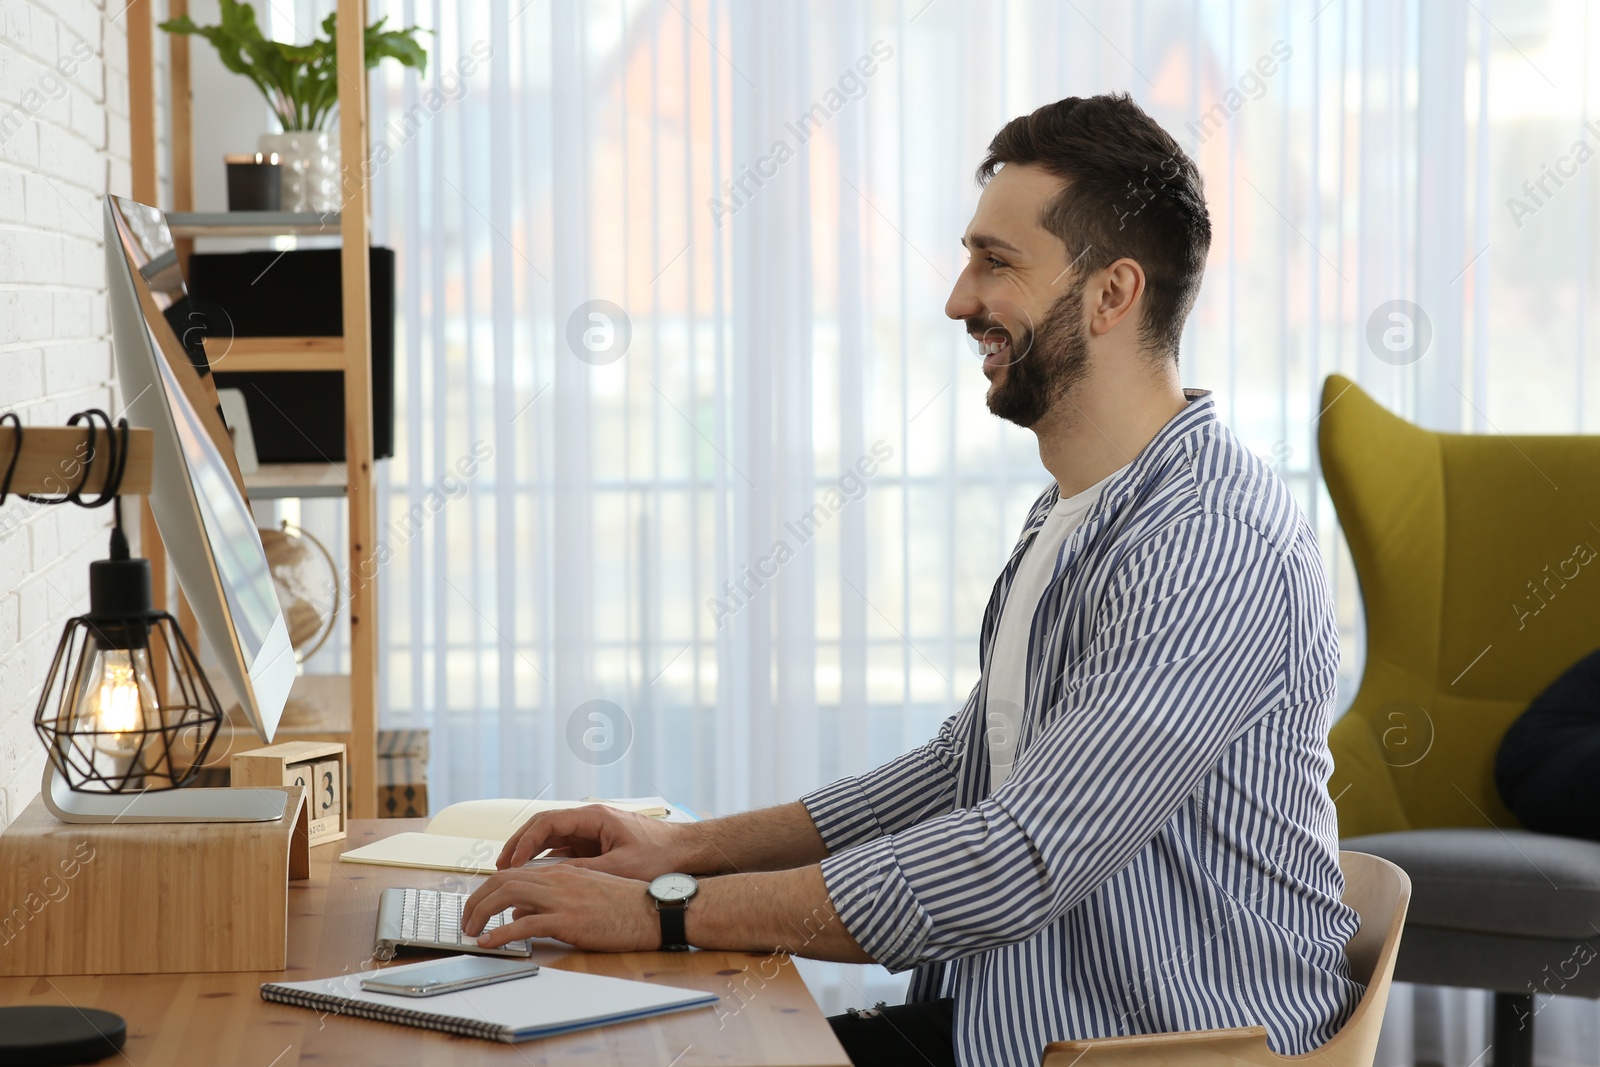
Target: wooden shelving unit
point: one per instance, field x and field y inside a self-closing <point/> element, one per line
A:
<point x="297" y="481"/>
<point x="322" y="707"/>
<point x="275" y="353"/>
<point x="252" y="224"/>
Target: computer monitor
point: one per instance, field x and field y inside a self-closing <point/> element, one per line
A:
<point x="197" y="493"/>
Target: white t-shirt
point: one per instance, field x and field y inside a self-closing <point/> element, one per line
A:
<point x="1008" y="661"/>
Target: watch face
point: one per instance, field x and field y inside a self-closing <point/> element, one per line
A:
<point x="671" y="888"/>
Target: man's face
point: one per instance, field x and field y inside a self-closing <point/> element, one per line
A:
<point x="1020" y="298"/>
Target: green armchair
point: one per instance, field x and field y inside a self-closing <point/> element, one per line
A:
<point x="1478" y="557"/>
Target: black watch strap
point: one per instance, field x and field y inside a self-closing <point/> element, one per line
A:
<point x="674" y="937"/>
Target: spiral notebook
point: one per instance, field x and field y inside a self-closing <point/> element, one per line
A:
<point x="542" y="1005"/>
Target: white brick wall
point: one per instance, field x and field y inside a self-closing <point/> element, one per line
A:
<point x="63" y="144"/>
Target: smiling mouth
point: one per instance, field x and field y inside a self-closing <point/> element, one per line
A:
<point x="996" y="352"/>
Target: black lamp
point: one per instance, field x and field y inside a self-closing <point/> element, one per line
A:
<point x="110" y="722"/>
<point x="102" y="714"/>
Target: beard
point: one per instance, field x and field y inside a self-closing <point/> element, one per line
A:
<point x="1054" y="359"/>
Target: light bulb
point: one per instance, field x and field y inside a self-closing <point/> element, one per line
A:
<point x="116" y="693"/>
<point x="117" y="698"/>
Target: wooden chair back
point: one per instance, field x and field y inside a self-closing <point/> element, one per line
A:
<point x="1379" y="892"/>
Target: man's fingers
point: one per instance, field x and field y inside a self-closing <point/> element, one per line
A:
<point x="605" y="863"/>
<point x="532" y="843"/>
<point x="501" y="891"/>
<point x="537" y="834"/>
<point x="531" y="924"/>
<point x="571" y="826"/>
<point x="558" y="846"/>
<point x="469" y="910"/>
<point x="504" y="859"/>
<point x="535" y="831"/>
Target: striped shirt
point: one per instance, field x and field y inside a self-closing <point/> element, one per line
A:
<point x="1164" y="855"/>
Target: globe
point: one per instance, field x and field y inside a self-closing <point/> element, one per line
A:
<point x="307" y="582"/>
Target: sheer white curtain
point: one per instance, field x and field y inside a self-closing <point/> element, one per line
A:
<point x="733" y="537"/>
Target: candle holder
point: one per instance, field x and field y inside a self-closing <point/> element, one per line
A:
<point x="255" y="183"/>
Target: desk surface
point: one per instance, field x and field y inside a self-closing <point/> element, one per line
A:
<point x="766" y="1015"/>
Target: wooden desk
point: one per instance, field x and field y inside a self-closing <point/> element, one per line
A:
<point x="766" y="1015"/>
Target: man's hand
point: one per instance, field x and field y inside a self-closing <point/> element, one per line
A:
<point x="770" y="911"/>
<point x="585" y="908"/>
<point x="634" y="846"/>
<point x="606" y="839"/>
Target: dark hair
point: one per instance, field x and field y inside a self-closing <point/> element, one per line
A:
<point x="1131" y="192"/>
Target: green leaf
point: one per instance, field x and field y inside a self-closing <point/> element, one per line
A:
<point x="299" y="81"/>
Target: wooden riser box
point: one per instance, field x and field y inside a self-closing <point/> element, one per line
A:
<point x="148" y="898"/>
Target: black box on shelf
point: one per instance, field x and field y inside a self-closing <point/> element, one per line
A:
<point x="296" y="416"/>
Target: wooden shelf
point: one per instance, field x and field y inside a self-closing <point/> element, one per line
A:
<point x="345" y="708"/>
<point x="297" y="481"/>
<point x="252" y="224"/>
<point x="275" y="353"/>
<point x="318" y="709"/>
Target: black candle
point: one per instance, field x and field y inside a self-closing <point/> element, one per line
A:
<point x="255" y="183"/>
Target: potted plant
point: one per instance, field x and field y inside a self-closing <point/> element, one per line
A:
<point x="301" y="84"/>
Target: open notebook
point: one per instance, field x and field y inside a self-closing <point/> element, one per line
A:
<point x="467" y="837"/>
<point x="542" y="1005"/>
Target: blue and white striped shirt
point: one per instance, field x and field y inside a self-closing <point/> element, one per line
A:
<point x="1164" y="855"/>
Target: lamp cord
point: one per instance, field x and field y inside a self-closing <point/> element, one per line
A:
<point x="116" y="449"/>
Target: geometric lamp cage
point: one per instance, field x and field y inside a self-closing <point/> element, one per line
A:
<point x="101" y="715"/>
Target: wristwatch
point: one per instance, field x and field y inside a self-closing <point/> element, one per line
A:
<point x="671" y="892"/>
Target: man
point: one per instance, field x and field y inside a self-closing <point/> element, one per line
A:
<point x="1127" y="828"/>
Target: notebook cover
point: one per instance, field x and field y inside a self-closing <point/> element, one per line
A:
<point x="546" y="1004"/>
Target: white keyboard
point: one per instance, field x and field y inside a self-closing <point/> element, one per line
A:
<point x="431" y="919"/>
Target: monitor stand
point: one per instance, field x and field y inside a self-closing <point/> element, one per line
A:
<point x="165" y="805"/>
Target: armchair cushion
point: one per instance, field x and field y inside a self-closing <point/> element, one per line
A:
<point x="1507" y="882"/>
<point x="1545" y="768"/>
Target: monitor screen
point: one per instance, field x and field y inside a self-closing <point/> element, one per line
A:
<point x="230" y="527"/>
<point x="197" y="494"/>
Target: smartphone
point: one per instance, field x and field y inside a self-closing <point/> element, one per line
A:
<point x="447" y="976"/>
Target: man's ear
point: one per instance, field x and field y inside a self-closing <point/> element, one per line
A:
<point x="1112" y="295"/>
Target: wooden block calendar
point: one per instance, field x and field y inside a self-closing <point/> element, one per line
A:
<point x="319" y="766"/>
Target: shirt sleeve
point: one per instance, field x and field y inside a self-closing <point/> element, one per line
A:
<point x="1189" y="650"/>
<point x="903" y="792"/>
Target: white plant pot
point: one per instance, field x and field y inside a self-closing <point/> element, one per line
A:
<point x="310" y="162"/>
